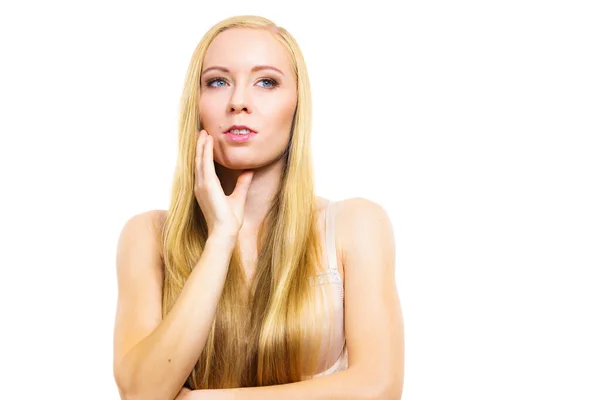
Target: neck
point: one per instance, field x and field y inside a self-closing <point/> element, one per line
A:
<point x="263" y="189"/>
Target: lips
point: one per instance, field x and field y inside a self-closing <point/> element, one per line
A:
<point x="239" y="127"/>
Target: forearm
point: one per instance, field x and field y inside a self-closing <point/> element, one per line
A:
<point x="157" y="367"/>
<point x="349" y="385"/>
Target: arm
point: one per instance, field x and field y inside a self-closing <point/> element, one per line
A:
<point x="348" y="385"/>
<point x="374" y="322"/>
<point x="373" y="318"/>
<point x="153" y="357"/>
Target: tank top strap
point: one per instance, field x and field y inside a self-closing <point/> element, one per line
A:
<point x="330" y="236"/>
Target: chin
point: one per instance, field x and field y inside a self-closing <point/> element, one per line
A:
<point x="239" y="164"/>
<point x="243" y="160"/>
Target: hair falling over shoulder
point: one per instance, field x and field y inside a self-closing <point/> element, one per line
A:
<point x="277" y="327"/>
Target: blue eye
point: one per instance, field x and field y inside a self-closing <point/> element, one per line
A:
<point x="220" y="82"/>
<point x="210" y="82"/>
<point x="271" y="82"/>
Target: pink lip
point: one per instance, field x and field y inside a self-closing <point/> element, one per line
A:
<point x="240" y="127"/>
<point x="232" y="137"/>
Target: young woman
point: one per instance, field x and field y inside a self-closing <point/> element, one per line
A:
<point x="249" y="286"/>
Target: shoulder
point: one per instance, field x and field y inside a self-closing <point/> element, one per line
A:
<point x="360" y="212"/>
<point x="150" y="222"/>
<point x="364" y="226"/>
<point x="143" y="230"/>
<point x="145" y="218"/>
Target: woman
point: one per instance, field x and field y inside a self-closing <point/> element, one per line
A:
<point x="250" y="285"/>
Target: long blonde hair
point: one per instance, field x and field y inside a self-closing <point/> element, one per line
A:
<point x="273" y="336"/>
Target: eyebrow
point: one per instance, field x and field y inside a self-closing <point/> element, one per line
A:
<point x="254" y="69"/>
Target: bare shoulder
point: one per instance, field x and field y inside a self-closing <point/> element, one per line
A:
<point x="360" y="222"/>
<point x="359" y="212"/>
<point x="142" y="229"/>
<point x="139" y="254"/>
<point x="147" y="219"/>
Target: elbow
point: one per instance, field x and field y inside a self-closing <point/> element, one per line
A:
<point x="389" y="389"/>
<point x="130" y="393"/>
<point x="132" y="384"/>
<point x="384" y="387"/>
<point x="393" y="392"/>
<point x="124" y="386"/>
<point x="128" y="390"/>
<point x="375" y="384"/>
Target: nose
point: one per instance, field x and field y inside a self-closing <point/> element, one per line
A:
<point x="239" y="101"/>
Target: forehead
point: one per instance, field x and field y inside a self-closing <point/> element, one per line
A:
<point x="243" y="48"/>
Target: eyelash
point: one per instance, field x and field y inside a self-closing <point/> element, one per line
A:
<point x="273" y="83"/>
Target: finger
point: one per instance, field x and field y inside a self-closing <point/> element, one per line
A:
<point x="209" y="165"/>
<point x="198" y="157"/>
<point x="242" y="185"/>
<point x="199" y="149"/>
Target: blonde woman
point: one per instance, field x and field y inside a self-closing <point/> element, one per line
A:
<point x="249" y="286"/>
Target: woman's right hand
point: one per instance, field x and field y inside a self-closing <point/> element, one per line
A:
<point x="223" y="214"/>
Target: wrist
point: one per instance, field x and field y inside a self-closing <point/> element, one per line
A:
<point x="224" y="236"/>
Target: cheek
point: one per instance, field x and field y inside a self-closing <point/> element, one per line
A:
<point x="207" y="108"/>
<point x="282" y="112"/>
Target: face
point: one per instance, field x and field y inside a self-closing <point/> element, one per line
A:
<point x="247" y="80"/>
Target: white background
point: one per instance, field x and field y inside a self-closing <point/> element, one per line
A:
<point x="474" y="123"/>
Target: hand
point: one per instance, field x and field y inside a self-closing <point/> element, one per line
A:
<point x="222" y="213"/>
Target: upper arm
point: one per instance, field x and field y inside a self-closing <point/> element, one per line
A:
<point x="373" y="317"/>
<point x="139" y="280"/>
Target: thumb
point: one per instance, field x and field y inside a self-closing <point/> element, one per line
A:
<point x="242" y="185"/>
